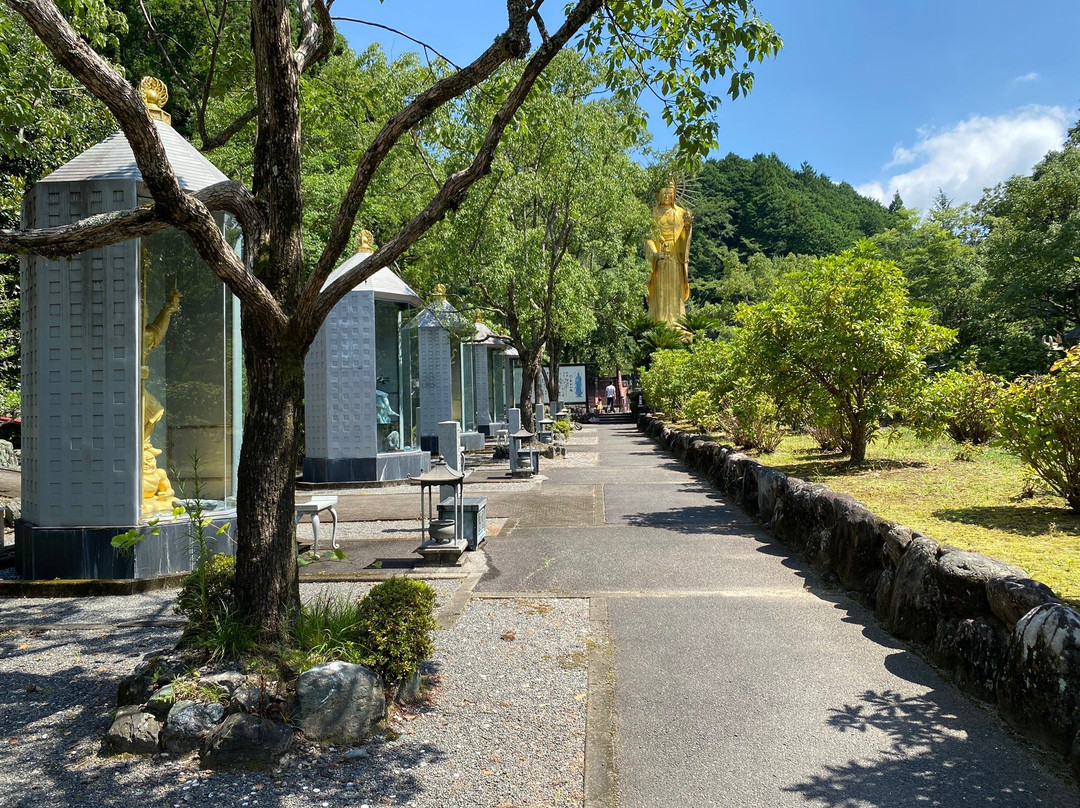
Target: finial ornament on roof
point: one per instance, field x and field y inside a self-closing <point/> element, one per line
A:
<point x="440" y="291"/>
<point x="155" y="94"/>
<point x="365" y="242"/>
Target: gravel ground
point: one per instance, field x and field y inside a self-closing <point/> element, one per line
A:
<point x="503" y="726"/>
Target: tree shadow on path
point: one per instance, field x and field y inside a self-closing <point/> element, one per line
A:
<point x="931" y="757"/>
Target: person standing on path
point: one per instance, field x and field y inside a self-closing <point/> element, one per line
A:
<point x="610" y="397"/>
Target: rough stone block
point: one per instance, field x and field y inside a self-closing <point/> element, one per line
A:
<point x="853" y="549"/>
<point x="133" y="732"/>
<point x="882" y="594"/>
<point x="772" y="486"/>
<point x="246" y="741"/>
<point x="897" y="539"/>
<point x="339" y="702"/>
<point x="1039" y="687"/>
<point x="973" y="650"/>
<point x="188" y="725"/>
<point x="914" y="606"/>
<point x="962" y="578"/>
<point x="1011" y="597"/>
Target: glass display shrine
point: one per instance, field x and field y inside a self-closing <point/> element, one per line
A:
<point x="488" y="370"/>
<point x="442" y="377"/>
<point x="131" y="376"/>
<point x="362" y="384"/>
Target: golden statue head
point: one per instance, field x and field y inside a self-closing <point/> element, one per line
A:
<point x="440" y="291"/>
<point x="365" y="242"/>
<point x="666" y="195"/>
<point x="155" y="95"/>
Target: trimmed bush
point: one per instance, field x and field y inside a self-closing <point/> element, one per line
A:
<point x="395" y="621"/>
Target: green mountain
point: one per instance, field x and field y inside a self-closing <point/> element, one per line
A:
<point x="764" y="206"/>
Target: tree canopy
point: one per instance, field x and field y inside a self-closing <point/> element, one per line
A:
<point x="842" y="340"/>
<point x="677" y="47"/>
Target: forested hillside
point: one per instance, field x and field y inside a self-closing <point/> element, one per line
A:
<point x="763" y="206"/>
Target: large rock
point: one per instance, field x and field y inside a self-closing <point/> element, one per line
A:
<point x="161" y="702"/>
<point x="157" y="668"/>
<point x="797" y="515"/>
<point x="883" y="594"/>
<point x="1039" y="687"/>
<point x="12" y="512"/>
<point x="853" y="548"/>
<point x="133" y="732"/>
<point x="772" y="487"/>
<point x="897" y="539"/>
<point x="1012" y="596"/>
<point x="246" y="741"/>
<point x="732" y="475"/>
<point x="188" y="725"/>
<point x="914" y="604"/>
<point x="962" y="578"/>
<point x="8" y="458"/>
<point x="973" y="651"/>
<point x="339" y="702"/>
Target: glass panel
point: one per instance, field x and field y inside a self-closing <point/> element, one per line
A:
<point x="387" y="377"/>
<point x="468" y="387"/>
<point x="497" y="376"/>
<point x="410" y="378"/>
<point x="186" y="415"/>
<point x="517" y="383"/>
<point x="455" y="379"/>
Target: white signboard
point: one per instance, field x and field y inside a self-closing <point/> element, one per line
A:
<point x="572" y="384"/>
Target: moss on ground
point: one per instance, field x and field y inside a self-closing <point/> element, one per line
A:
<point x="974" y="504"/>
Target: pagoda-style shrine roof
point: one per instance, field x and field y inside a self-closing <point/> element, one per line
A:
<point x="113" y="159"/>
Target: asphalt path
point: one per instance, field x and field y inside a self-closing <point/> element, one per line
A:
<point x="740" y="678"/>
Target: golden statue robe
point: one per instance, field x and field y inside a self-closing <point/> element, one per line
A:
<point x="669" y="254"/>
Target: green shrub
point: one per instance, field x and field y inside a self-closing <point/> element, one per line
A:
<point x="562" y="427"/>
<point x="206" y="599"/>
<point x="665" y="382"/>
<point x="212" y="584"/>
<point x="829" y="433"/>
<point x="751" y="419"/>
<point x="329" y="628"/>
<point x="396" y="620"/>
<point x="960" y="403"/>
<point x="388" y="631"/>
<point x="1039" y="420"/>
<point x="702" y="410"/>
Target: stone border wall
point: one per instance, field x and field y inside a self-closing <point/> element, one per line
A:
<point x="1003" y="636"/>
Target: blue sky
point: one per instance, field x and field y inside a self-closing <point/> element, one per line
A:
<point x="910" y="95"/>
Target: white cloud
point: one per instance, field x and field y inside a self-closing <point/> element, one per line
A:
<point x="972" y="155"/>
<point x="1024" y="79"/>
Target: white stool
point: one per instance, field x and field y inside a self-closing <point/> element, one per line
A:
<point x="313" y="508"/>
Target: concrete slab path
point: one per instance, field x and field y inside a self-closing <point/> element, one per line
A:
<point x="737" y="678"/>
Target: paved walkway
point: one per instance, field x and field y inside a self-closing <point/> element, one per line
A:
<point x="739" y="679"/>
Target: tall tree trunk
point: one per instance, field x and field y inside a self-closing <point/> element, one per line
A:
<point x="267" y="583"/>
<point x="858" y="438"/>
<point x="530" y="371"/>
<point x="555" y="351"/>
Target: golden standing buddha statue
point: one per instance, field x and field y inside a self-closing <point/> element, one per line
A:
<point x="669" y="254"/>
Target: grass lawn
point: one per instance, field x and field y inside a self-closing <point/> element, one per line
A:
<point x="972" y="504"/>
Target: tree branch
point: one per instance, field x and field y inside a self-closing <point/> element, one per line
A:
<point x="104" y="229"/>
<point x="507" y="45"/>
<point x="456" y="186"/>
<point x="316" y="33"/>
<point x="174" y="206"/>
<point x="401" y="34"/>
